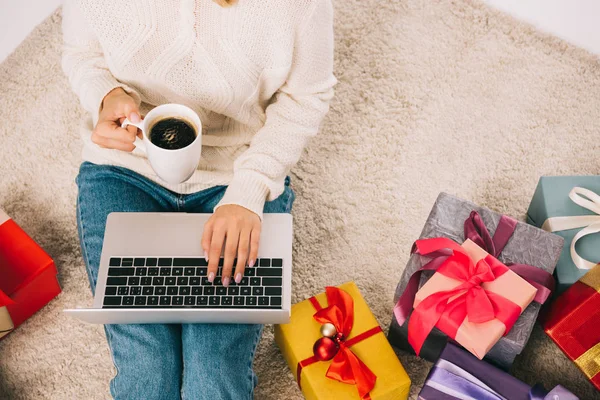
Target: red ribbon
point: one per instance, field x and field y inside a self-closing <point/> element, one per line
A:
<point x="345" y="367"/>
<point x="471" y="300"/>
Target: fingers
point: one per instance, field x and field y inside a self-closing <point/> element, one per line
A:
<point x="254" y="242"/>
<point x="231" y="245"/>
<point x="110" y="135"/>
<point x="243" y="252"/>
<point x="207" y="236"/>
<point x="214" y="252"/>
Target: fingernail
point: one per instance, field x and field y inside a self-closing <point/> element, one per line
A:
<point x="238" y="277"/>
<point x="226" y="281"/>
<point x="211" y="277"/>
<point x="206" y="256"/>
<point x="134" y="117"/>
<point x="251" y="263"/>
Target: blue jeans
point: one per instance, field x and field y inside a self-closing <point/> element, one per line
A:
<point x="159" y="361"/>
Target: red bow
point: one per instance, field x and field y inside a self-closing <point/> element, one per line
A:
<point x="345" y="367"/>
<point x="470" y="299"/>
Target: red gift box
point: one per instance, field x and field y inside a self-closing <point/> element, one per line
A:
<point x="27" y="273"/>
<point x="573" y="321"/>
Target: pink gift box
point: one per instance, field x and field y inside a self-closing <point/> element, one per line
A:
<point x="478" y="338"/>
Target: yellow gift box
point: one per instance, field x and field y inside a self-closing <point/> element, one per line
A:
<point x="296" y="341"/>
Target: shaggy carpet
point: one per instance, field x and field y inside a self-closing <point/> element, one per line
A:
<point x="432" y="96"/>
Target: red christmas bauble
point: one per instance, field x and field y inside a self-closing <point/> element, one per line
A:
<point x="325" y="349"/>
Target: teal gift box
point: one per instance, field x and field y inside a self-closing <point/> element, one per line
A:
<point x="557" y="197"/>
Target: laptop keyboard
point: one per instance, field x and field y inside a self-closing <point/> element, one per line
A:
<point x="147" y="282"/>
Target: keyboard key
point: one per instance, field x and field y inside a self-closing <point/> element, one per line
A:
<point x="123" y="291"/>
<point x="197" y="290"/>
<point x="121" y="271"/>
<point x="251" y="301"/>
<point x="146" y="281"/>
<point x="127" y="262"/>
<point x="140" y="301"/>
<point x="195" y="281"/>
<point x="139" y="262"/>
<point x="189" y="271"/>
<point x="172" y="290"/>
<point x="238" y="301"/>
<point x="112" y="281"/>
<point x="165" y="301"/>
<point x="135" y="291"/>
<point x="170" y="280"/>
<point x="214" y="301"/>
<point x="273" y="291"/>
<point x="134" y="281"/>
<point x="165" y="271"/>
<point x="202" y="300"/>
<point x="182" y="281"/>
<point x="249" y="272"/>
<point x="160" y="290"/>
<point x="269" y="272"/>
<point x="128" y="300"/>
<point x="265" y="262"/>
<point x="254" y="281"/>
<point x="151" y="262"/>
<point x="275" y="301"/>
<point x="245" y="291"/>
<point x="217" y="281"/>
<point x="221" y="291"/>
<point x="226" y="300"/>
<point x="187" y="262"/>
<point x="209" y="290"/>
<point x="141" y="271"/>
<point x="244" y="281"/>
<point x="165" y="262"/>
<point x="114" y="262"/>
<point x="177" y="300"/>
<point x="263" y="301"/>
<point x="148" y="291"/>
<point x="177" y="271"/>
<point x="184" y="290"/>
<point x="277" y="262"/>
<point x="153" y="300"/>
<point x="112" y="301"/>
<point x="189" y="301"/>
<point x="257" y="291"/>
<point x="233" y="291"/>
<point x="158" y="281"/>
<point x="221" y="262"/>
<point x="205" y="282"/>
<point x="271" y="281"/>
<point x="202" y="271"/>
<point x="153" y="271"/>
<point x="110" y="291"/>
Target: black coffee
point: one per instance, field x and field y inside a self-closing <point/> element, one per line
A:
<point x="172" y="133"/>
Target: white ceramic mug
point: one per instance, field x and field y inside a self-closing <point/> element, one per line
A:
<point x="172" y="166"/>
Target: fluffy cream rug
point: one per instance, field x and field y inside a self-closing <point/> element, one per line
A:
<point x="433" y="96"/>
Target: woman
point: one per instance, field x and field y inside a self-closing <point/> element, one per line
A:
<point x="259" y="75"/>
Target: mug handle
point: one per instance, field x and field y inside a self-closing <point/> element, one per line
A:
<point x="139" y="143"/>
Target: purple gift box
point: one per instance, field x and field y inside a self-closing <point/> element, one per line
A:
<point x="458" y="375"/>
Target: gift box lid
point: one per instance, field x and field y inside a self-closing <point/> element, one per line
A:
<point x="21" y="258"/>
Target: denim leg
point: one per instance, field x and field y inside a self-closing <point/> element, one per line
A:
<point x="218" y="358"/>
<point x="147" y="357"/>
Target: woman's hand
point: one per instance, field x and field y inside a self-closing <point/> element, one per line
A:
<point x="239" y="230"/>
<point x="116" y="106"/>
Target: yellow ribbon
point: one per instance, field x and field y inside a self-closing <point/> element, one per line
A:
<point x="589" y="362"/>
<point x="592" y="278"/>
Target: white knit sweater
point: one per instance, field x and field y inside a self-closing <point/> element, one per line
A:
<point x="259" y="75"/>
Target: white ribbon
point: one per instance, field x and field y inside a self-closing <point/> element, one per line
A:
<point x="591" y="223"/>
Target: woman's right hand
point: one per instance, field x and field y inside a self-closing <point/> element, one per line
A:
<point x="116" y="106"/>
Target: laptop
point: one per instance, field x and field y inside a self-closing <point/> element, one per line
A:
<point x="153" y="270"/>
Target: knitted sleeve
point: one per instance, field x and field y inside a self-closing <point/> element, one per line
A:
<point x="293" y="117"/>
<point x="84" y="64"/>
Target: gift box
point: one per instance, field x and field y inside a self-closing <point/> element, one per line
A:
<point x="513" y="243"/>
<point x="336" y="349"/>
<point x="573" y="322"/>
<point x="570" y="207"/>
<point x="28" y="275"/>
<point x="458" y="375"/>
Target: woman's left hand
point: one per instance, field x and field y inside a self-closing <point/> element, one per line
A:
<point x="238" y="229"/>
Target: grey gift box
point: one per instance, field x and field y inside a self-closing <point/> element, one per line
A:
<point x="528" y="245"/>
